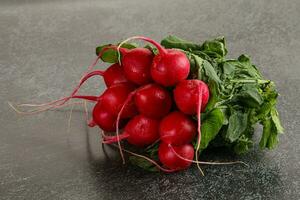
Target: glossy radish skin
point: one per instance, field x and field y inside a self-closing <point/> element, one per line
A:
<point x="191" y="97"/>
<point x="114" y="97"/>
<point x="169" y="159"/>
<point x="140" y="131"/>
<point x="170" y="67"/>
<point x="177" y="129"/>
<point x="114" y="75"/>
<point x="153" y="101"/>
<point x="186" y="95"/>
<point x="136" y="64"/>
<point x="105" y="120"/>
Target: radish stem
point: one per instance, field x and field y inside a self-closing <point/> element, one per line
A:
<point x="157" y="45"/>
<point x="199" y="125"/>
<point x="118" y="120"/>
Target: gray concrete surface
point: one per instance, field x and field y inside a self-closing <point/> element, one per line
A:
<point x="46" y="46"/>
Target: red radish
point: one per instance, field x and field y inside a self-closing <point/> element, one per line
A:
<point x="186" y="96"/>
<point x="191" y="96"/>
<point x="115" y="96"/>
<point x="128" y="100"/>
<point x="151" y="98"/>
<point x="103" y="118"/>
<point x="111" y="101"/>
<point x="177" y="129"/>
<point x="140" y="131"/>
<point x="113" y="75"/>
<point x="153" y="101"/>
<point x="169" y="66"/>
<point x="145" y="158"/>
<point x="170" y="159"/>
<point x="136" y="64"/>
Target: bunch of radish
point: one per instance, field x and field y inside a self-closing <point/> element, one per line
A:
<point x="149" y="98"/>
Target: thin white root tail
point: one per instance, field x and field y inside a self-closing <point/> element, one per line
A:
<point x="70" y="118"/>
<point x="207" y="162"/>
<point x="32" y="112"/>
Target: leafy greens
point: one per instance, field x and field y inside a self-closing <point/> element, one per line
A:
<point x="240" y="97"/>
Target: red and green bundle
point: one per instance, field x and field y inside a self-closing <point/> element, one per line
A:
<point x="172" y="100"/>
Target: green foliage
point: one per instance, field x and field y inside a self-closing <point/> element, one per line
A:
<point x="237" y="124"/>
<point x="211" y="126"/>
<point x="111" y="55"/>
<point x="142" y="163"/>
<point x="215" y="48"/>
<point x="174" y="42"/>
<point x="237" y="90"/>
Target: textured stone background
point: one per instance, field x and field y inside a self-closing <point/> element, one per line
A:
<point x="46" y="46"/>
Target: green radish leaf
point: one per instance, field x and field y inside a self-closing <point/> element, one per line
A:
<point x="210" y="72"/>
<point x="172" y="41"/>
<point x="237" y="125"/>
<point x="267" y="132"/>
<point x="194" y="66"/>
<point x="211" y="126"/>
<point x="240" y="69"/>
<point x="142" y="163"/>
<point x="199" y="66"/>
<point x="276" y="121"/>
<point x="129" y="45"/>
<point x="203" y="55"/>
<point x="269" y="137"/>
<point x="151" y="48"/>
<point x="206" y="71"/>
<point x="273" y="140"/>
<point x="228" y="69"/>
<point x="249" y="96"/>
<point x="213" y="95"/>
<point x="243" y="145"/>
<point x="245" y="61"/>
<point x="215" y="48"/>
<point x="111" y="55"/>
